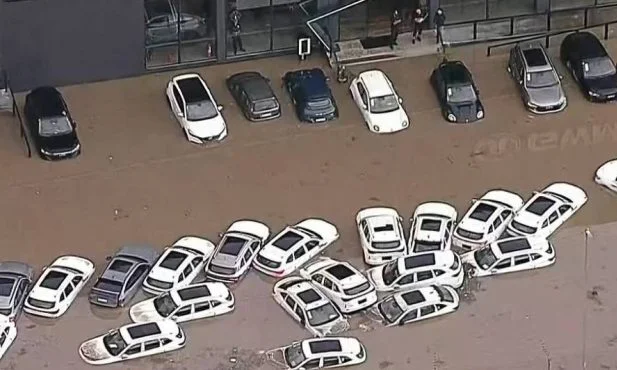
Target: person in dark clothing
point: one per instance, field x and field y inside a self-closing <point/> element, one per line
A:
<point x="236" y="40"/>
<point x="395" y="26"/>
<point x="440" y="20"/>
<point x="418" y="24"/>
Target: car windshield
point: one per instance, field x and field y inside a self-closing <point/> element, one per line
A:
<point x="390" y="310"/>
<point x="426" y="246"/>
<point x="266" y="104"/>
<point x="294" y="355"/>
<point x="485" y="257"/>
<point x="461" y="94"/>
<point x="384" y="104"/>
<point x="200" y="111"/>
<point x="598" y="67"/>
<point x="541" y="79"/>
<point x="6" y="287"/>
<point x="108" y="285"/>
<point x="322" y="315"/>
<point x="55" y="126"/>
<point x="165" y="305"/>
<point x="357" y="289"/>
<point x="386" y="245"/>
<point x="319" y="104"/>
<point x="390" y="272"/>
<point x="114" y="343"/>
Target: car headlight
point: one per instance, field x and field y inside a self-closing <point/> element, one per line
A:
<point x="376" y="128"/>
<point x="451" y="117"/>
<point x="594" y="94"/>
<point x="405" y="123"/>
<point x="480" y="114"/>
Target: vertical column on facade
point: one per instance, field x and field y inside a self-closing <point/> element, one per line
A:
<point x="331" y="23"/>
<point x="221" y="29"/>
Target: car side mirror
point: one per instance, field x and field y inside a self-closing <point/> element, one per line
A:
<point x="75" y="123"/>
<point x="220" y="235"/>
<point x="327" y="79"/>
<point x="180" y="114"/>
<point x="520" y="82"/>
<point x="124" y="357"/>
<point x="364" y="106"/>
<point x="400" y="100"/>
<point x="561" y="77"/>
<point x="220" y="108"/>
<point x="473" y="201"/>
<point x="174" y="318"/>
<point x="108" y="258"/>
<point x="493" y="271"/>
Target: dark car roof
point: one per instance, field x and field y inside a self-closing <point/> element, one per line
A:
<point x="254" y="85"/>
<point x="310" y="83"/>
<point x="48" y="101"/>
<point x="585" y="44"/>
<point x="454" y="73"/>
<point x="192" y="90"/>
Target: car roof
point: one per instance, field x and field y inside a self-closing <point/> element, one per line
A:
<point x="586" y="45"/>
<point x="333" y="345"/>
<point x="192" y="88"/>
<point x="149" y="329"/>
<point x="346" y="274"/>
<point x="512" y="245"/>
<point x="535" y="57"/>
<point x="425" y="295"/>
<point x="254" y="85"/>
<point x="455" y="73"/>
<point x="119" y="268"/>
<point x="307" y="294"/>
<point x="311" y="83"/>
<point x="436" y="258"/>
<point x="376" y="83"/>
<point x="7" y="289"/>
<point x="193" y="292"/>
<point x="49" y="101"/>
<point x="383" y="227"/>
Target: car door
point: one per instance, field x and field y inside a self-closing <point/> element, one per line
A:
<point x="300" y="255"/>
<point x="505" y="215"/>
<point x="521" y="262"/>
<point x="365" y="234"/>
<point x="311" y="364"/>
<point x="255" y="246"/>
<point x="424" y="277"/>
<point x="133" y="282"/>
<point x="361" y="98"/>
<point x="330" y="361"/>
<point x="177" y="105"/>
<point x="290" y="306"/>
<point x="502" y="266"/>
<point x="427" y="311"/>
<point x="133" y="351"/>
<point x="203" y="310"/>
<point x="299" y="313"/>
<point x="495" y="226"/>
<point x="448" y="233"/>
<point x="152" y="347"/>
<point x="404" y="281"/>
<point x="197" y="264"/>
<point x="552" y="222"/>
<point x="409" y="317"/>
<point x="22" y="293"/>
<point x="66" y="297"/>
<point x="183" y="313"/>
<point x="185" y="277"/>
<point x="441" y="86"/>
<point x="565" y="211"/>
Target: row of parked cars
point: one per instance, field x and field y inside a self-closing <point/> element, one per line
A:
<point x="418" y="274"/>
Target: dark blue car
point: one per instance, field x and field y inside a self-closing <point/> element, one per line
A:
<point x="311" y="95"/>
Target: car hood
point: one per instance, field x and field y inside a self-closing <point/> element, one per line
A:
<point x="604" y="85"/>
<point x="390" y="121"/>
<point x="608" y="169"/>
<point x="207" y="128"/>
<point x="464" y="112"/>
<point x="144" y="312"/>
<point x="94" y="350"/>
<point x="546" y="95"/>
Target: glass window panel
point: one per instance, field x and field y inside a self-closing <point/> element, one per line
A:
<point x="507" y="8"/>
<point x="161" y="56"/>
<point x="161" y="22"/>
<point x="197" y="25"/>
<point x="353" y="22"/>
<point x="569" y="4"/>
<point x="464" y="10"/>
<point x="287" y="23"/>
<point x="249" y="24"/>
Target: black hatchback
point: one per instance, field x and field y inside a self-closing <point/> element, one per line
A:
<point x="254" y="95"/>
<point x="457" y="93"/>
<point x="590" y="65"/>
<point x="50" y="123"/>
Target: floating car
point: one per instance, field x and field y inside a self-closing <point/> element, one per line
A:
<point x="195" y="109"/>
<point x="51" y="125"/>
<point x="535" y="75"/>
<point x="518" y="253"/>
<point x="123" y="276"/>
<point x="311" y="96"/>
<point x="378" y="102"/>
<point x="179" y="264"/>
<point x="381" y="235"/>
<point x="236" y="251"/>
<point x="305" y="303"/>
<point x="417" y="271"/>
<point x="431" y="227"/>
<point x="415" y="305"/>
<point x="58" y="286"/>
<point x="342" y="283"/>
<point x="8" y="333"/>
<point x="15" y="281"/>
<point x="319" y="353"/>
<point x="457" y="93"/>
<point x="486" y="219"/>
<point x="590" y="65"/>
<point x="606" y="175"/>
<point x="197" y="301"/>
<point x="547" y="210"/>
<point x="294" y="246"/>
<point x="133" y="341"/>
<point x="254" y="96"/>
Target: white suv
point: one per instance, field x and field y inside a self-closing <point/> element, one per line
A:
<point x="319" y="353"/>
<point x="306" y="304"/>
<point x="348" y="289"/>
<point x="431" y="227"/>
<point x="381" y="235"/>
<point x="420" y="270"/>
<point x="8" y="333"/>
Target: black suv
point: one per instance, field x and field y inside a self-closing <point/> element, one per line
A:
<point x="591" y="66"/>
<point x="254" y="95"/>
<point x="457" y="93"/>
<point x="51" y="125"/>
<point x="311" y="95"/>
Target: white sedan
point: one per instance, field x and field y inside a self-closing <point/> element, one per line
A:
<point x="8" y="333"/>
<point x="58" y="286"/>
<point x="486" y="219"/>
<point x="431" y="227"/>
<point x="546" y="210"/>
<point x="195" y="109"/>
<point x="379" y="103"/>
<point x="381" y="235"/>
<point x="294" y="246"/>
<point x="606" y="175"/>
<point x="179" y="264"/>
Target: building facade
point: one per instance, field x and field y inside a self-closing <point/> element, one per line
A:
<point x="59" y="42"/>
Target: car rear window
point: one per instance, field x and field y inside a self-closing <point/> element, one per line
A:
<point x="121" y="266"/>
<point x="287" y="240"/>
<point x="232" y="246"/>
<point x="6" y="287"/>
<point x="539" y="206"/>
<point x="357" y="289"/>
<point x="483" y="212"/>
<point x="109" y="285"/>
<point x="322" y="103"/>
<point x="264" y="105"/>
<point x="53" y="280"/>
<point x="173" y="260"/>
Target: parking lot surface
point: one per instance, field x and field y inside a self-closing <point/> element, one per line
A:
<point x="139" y="180"/>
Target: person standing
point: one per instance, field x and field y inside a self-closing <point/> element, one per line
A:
<point x="395" y="25"/>
<point x="440" y="20"/>
<point x="418" y="24"/>
<point x="236" y="40"/>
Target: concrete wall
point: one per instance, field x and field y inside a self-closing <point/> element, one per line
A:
<point x="60" y="42"/>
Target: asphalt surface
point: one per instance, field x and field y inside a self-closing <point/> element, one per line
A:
<point x="138" y="180"/>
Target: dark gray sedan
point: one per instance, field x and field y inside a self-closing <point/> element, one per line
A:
<point x="254" y="96"/>
<point x="122" y="277"/>
<point x="15" y="281"/>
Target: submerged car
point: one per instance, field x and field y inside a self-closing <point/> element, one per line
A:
<point x="431" y="227"/>
<point x="457" y="93"/>
<point x="133" y="341"/>
<point x="539" y="84"/>
<point x="311" y="96"/>
<point x="319" y="353"/>
<point x="58" y="286"/>
<point x="236" y="251"/>
<point x="15" y="281"/>
<point x="305" y="303"/>
<point x="51" y="124"/>
<point x="381" y="235"/>
<point x="179" y="264"/>
<point x="8" y="333"/>
<point x="378" y="102"/>
<point x="254" y="96"/>
<point x="123" y="276"/>
<point x="590" y="65"/>
<point x="606" y="175"/>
